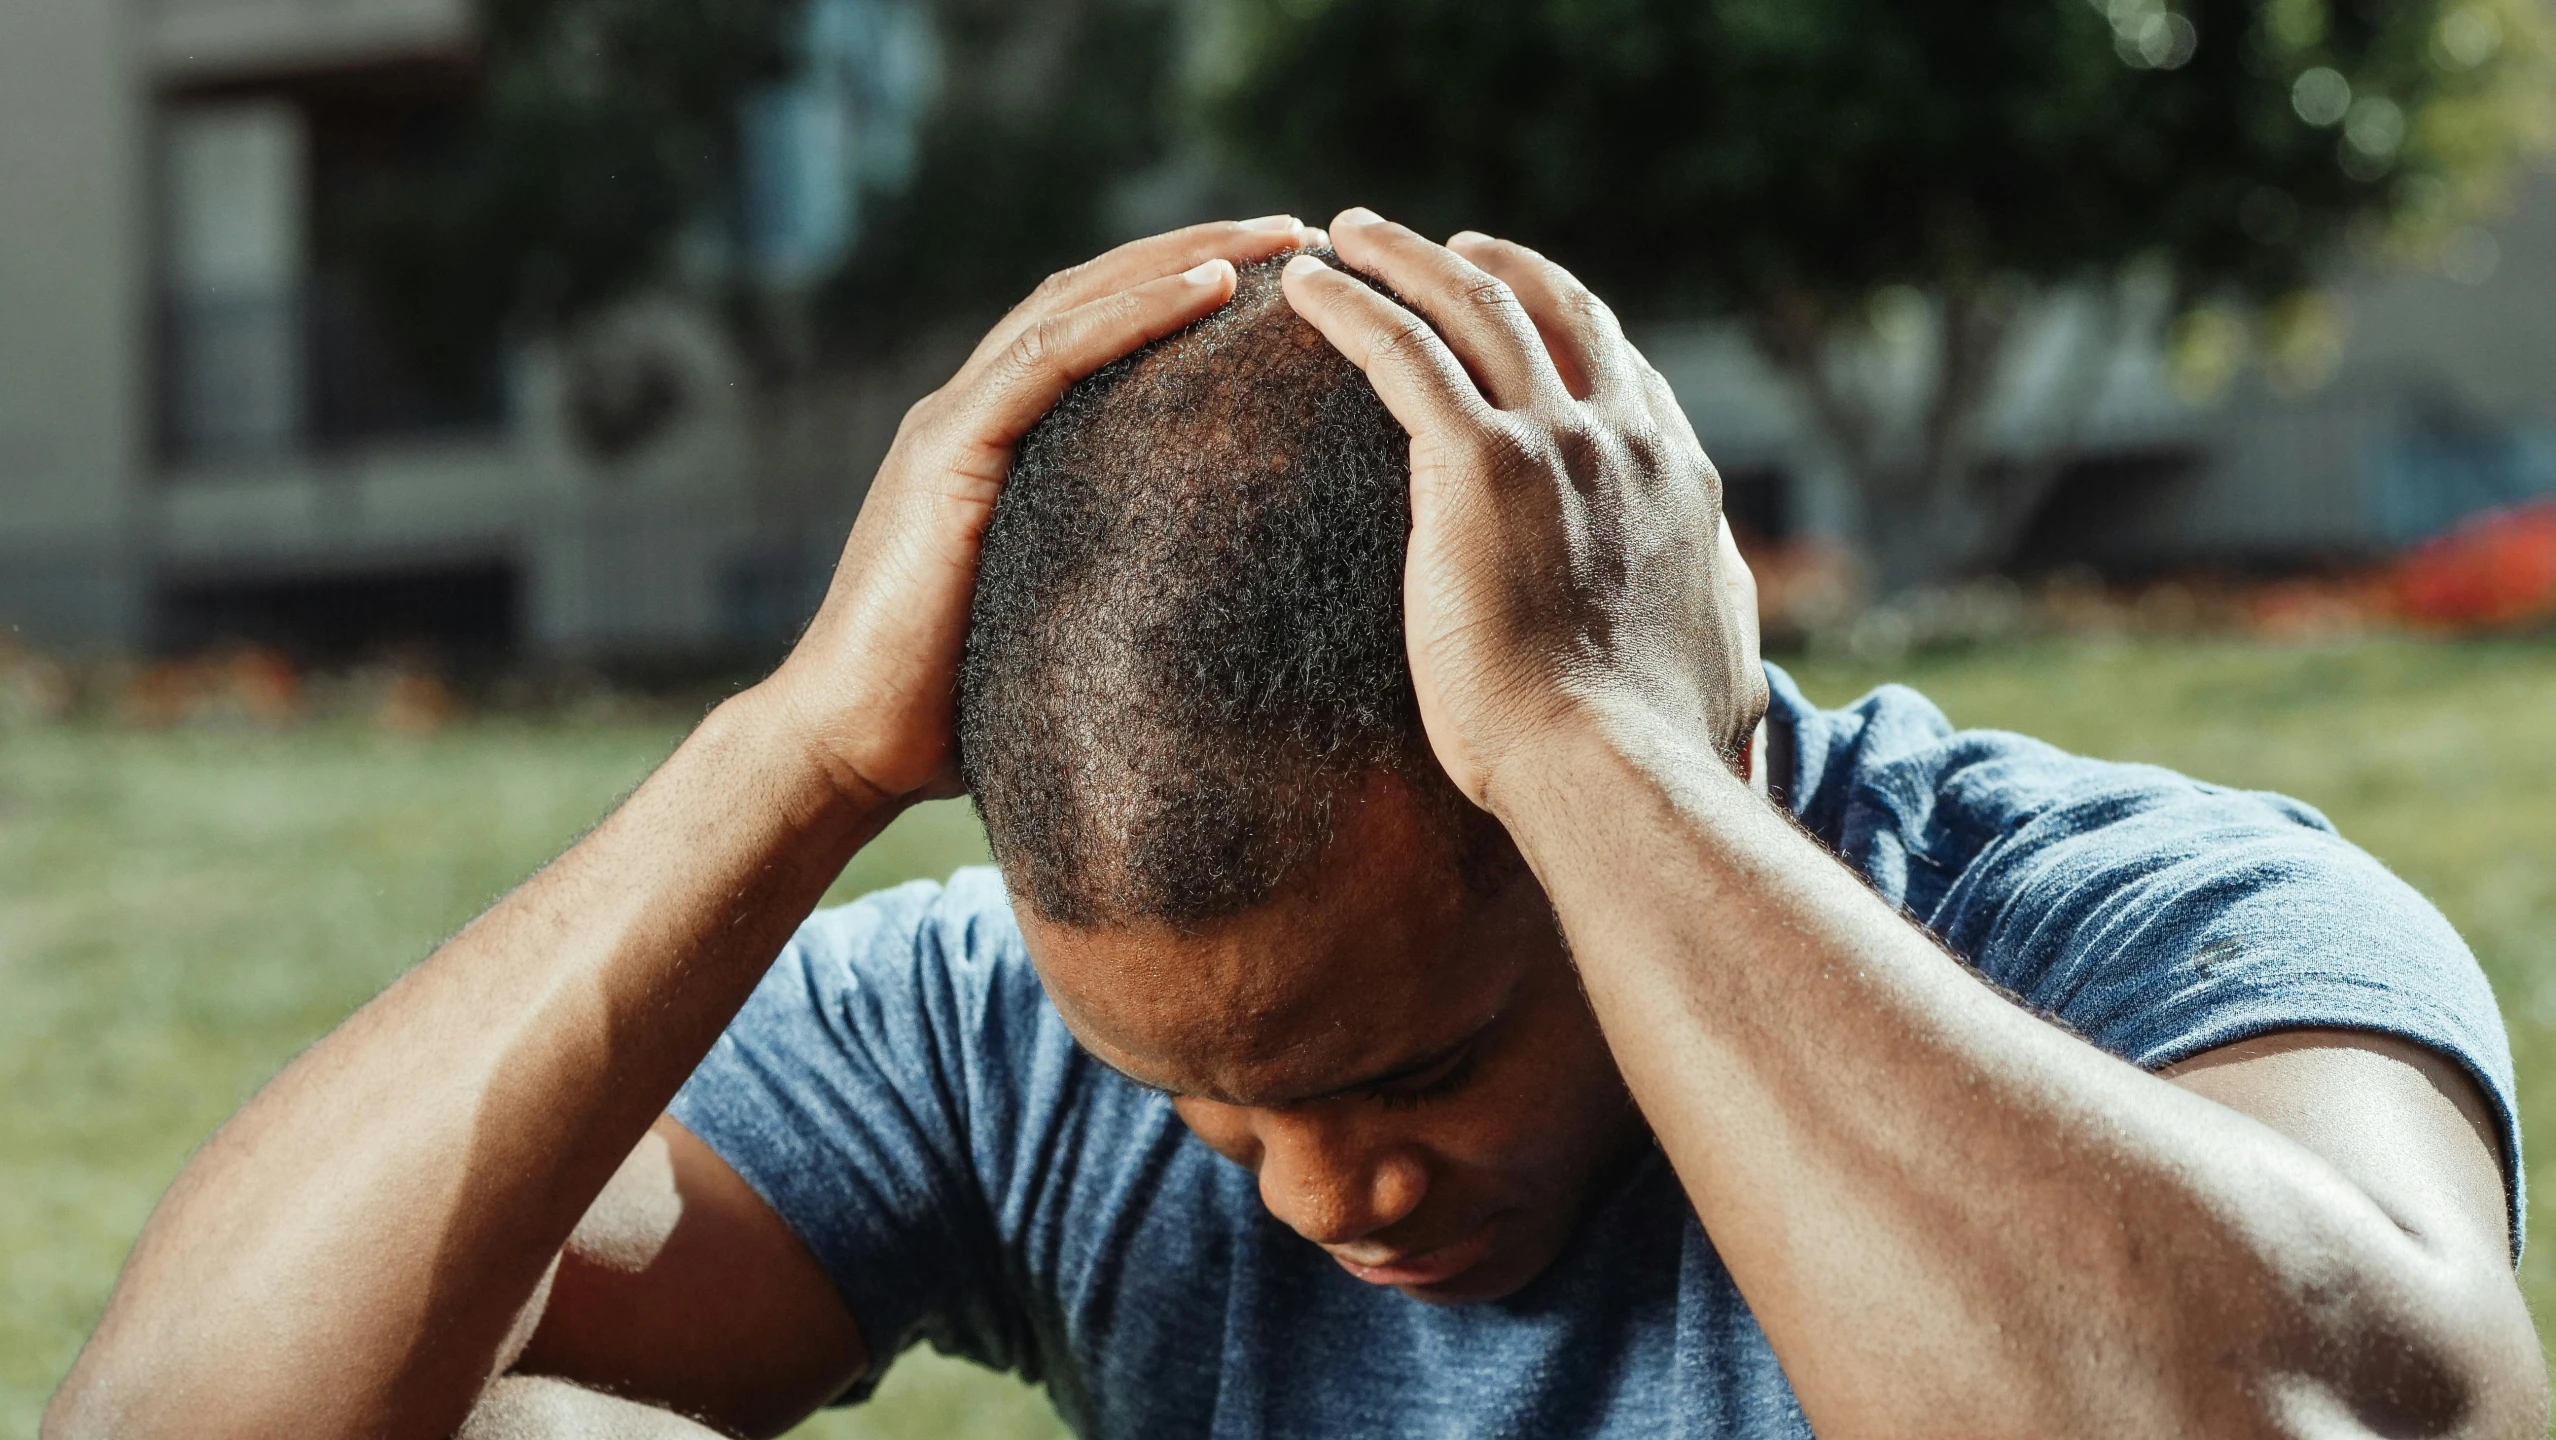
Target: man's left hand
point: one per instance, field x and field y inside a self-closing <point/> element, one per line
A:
<point x="1569" y="564"/>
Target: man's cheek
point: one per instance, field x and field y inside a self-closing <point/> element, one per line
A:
<point x="1514" y="1142"/>
<point x="1547" y="1136"/>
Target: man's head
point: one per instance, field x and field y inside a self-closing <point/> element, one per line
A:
<point x="1188" y="720"/>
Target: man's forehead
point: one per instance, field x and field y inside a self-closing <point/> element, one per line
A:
<point x="1272" y="1067"/>
<point x="1279" y="1087"/>
<point x="1377" y="954"/>
<point x="1263" y="1014"/>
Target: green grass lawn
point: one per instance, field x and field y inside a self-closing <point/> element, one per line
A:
<point x="180" y="912"/>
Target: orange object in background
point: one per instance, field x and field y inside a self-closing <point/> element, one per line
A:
<point x="2495" y="571"/>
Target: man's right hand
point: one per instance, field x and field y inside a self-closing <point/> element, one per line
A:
<point x="872" y="685"/>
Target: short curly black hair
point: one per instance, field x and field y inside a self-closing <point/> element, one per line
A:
<point x="1187" y="640"/>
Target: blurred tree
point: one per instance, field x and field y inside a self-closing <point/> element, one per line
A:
<point x="1842" y="173"/>
<point x="599" y="130"/>
<point x="605" y="132"/>
<point x="1047" y="108"/>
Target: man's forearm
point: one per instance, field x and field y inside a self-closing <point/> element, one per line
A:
<point x="347" y="1254"/>
<point x="1948" y="1215"/>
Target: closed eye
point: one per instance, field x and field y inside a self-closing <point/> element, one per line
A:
<point x="1419" y="1090"/>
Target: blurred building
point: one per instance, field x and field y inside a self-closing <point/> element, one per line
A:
<point x="2437" y="401"/>
<point x="204" y="435"/>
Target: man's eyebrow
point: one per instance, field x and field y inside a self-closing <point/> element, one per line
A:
<point x="1402" y="1071"/>
<point x="1421" y="1066"/>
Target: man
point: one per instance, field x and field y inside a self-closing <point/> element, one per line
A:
<point x="1439" y="983"/>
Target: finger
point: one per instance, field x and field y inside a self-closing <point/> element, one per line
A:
<point x="1415" y="374"/>
<point x="1482" y="322"/>
<point x="1139" y="261"/>
<point x="1025" y="380"/>
<point x="1580" y="333"/>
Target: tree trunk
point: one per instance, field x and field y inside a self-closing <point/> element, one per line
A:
<point x="1935" y="507"/>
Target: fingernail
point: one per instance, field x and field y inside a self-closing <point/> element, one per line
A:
<point x="1358" y="215"/>
<point x="1206" y="274"/>
<point x="1302" y="265"/>
<point x="1465" y="237"/>
<point x="1271" y="222"/>
<point x="1315" y="237"/>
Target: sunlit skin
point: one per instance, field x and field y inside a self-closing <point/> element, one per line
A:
<point x="1408" y="1067"/>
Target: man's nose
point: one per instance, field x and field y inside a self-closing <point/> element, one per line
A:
<point x="1325" y="1185"/>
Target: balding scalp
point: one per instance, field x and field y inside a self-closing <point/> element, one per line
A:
<point x="1187" y="634"/>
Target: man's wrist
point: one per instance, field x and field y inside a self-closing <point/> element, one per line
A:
<point x="1559" y="768"/>
<point x="800" y="759"/>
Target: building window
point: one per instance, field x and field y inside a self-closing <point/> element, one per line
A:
<point x="234" y="210"/>
<point x="269" y="346"/>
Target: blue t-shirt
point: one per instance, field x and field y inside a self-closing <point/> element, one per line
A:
<point x="901" y="1092"/>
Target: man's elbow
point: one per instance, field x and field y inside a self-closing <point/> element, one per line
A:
<point x="2495" y="1385"/>
<point x="2469" y="1368"/>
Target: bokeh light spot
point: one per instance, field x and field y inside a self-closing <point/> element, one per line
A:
<point x="2375" y="127"/>
<point x="2321" y="96"/>
<point x="2468" y="37"/>
<point x="2471" y="255"/>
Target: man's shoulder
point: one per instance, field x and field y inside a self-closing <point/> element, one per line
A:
<point x="1890" y="784"/>
<point x="2157" y="914"/>
<point x="931" y="970"/>
<point x="966" y="918"/>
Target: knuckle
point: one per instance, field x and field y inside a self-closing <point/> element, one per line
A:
<point x="1583" y="306"/>
<point x="1490" y="292"/>
<point x="1404" y="339"/>
<point x="1057" y="283"/>
<point x="920" y="415"/>
<point x="1034" y="349"/>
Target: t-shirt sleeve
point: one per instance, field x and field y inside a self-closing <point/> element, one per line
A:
<point x="844" y="1093"/>
<point x="2160" y="917"/>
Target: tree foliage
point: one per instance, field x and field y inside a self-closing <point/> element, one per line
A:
<point x="1788" y="160"/>
<point x="598" y="131"/>
<point x="1046" y="108"/>
<point x="602" y="132"/>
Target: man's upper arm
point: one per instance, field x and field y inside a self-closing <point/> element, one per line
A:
<point x="683" y="1289"/>
<point x="2407" y="1126"/>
